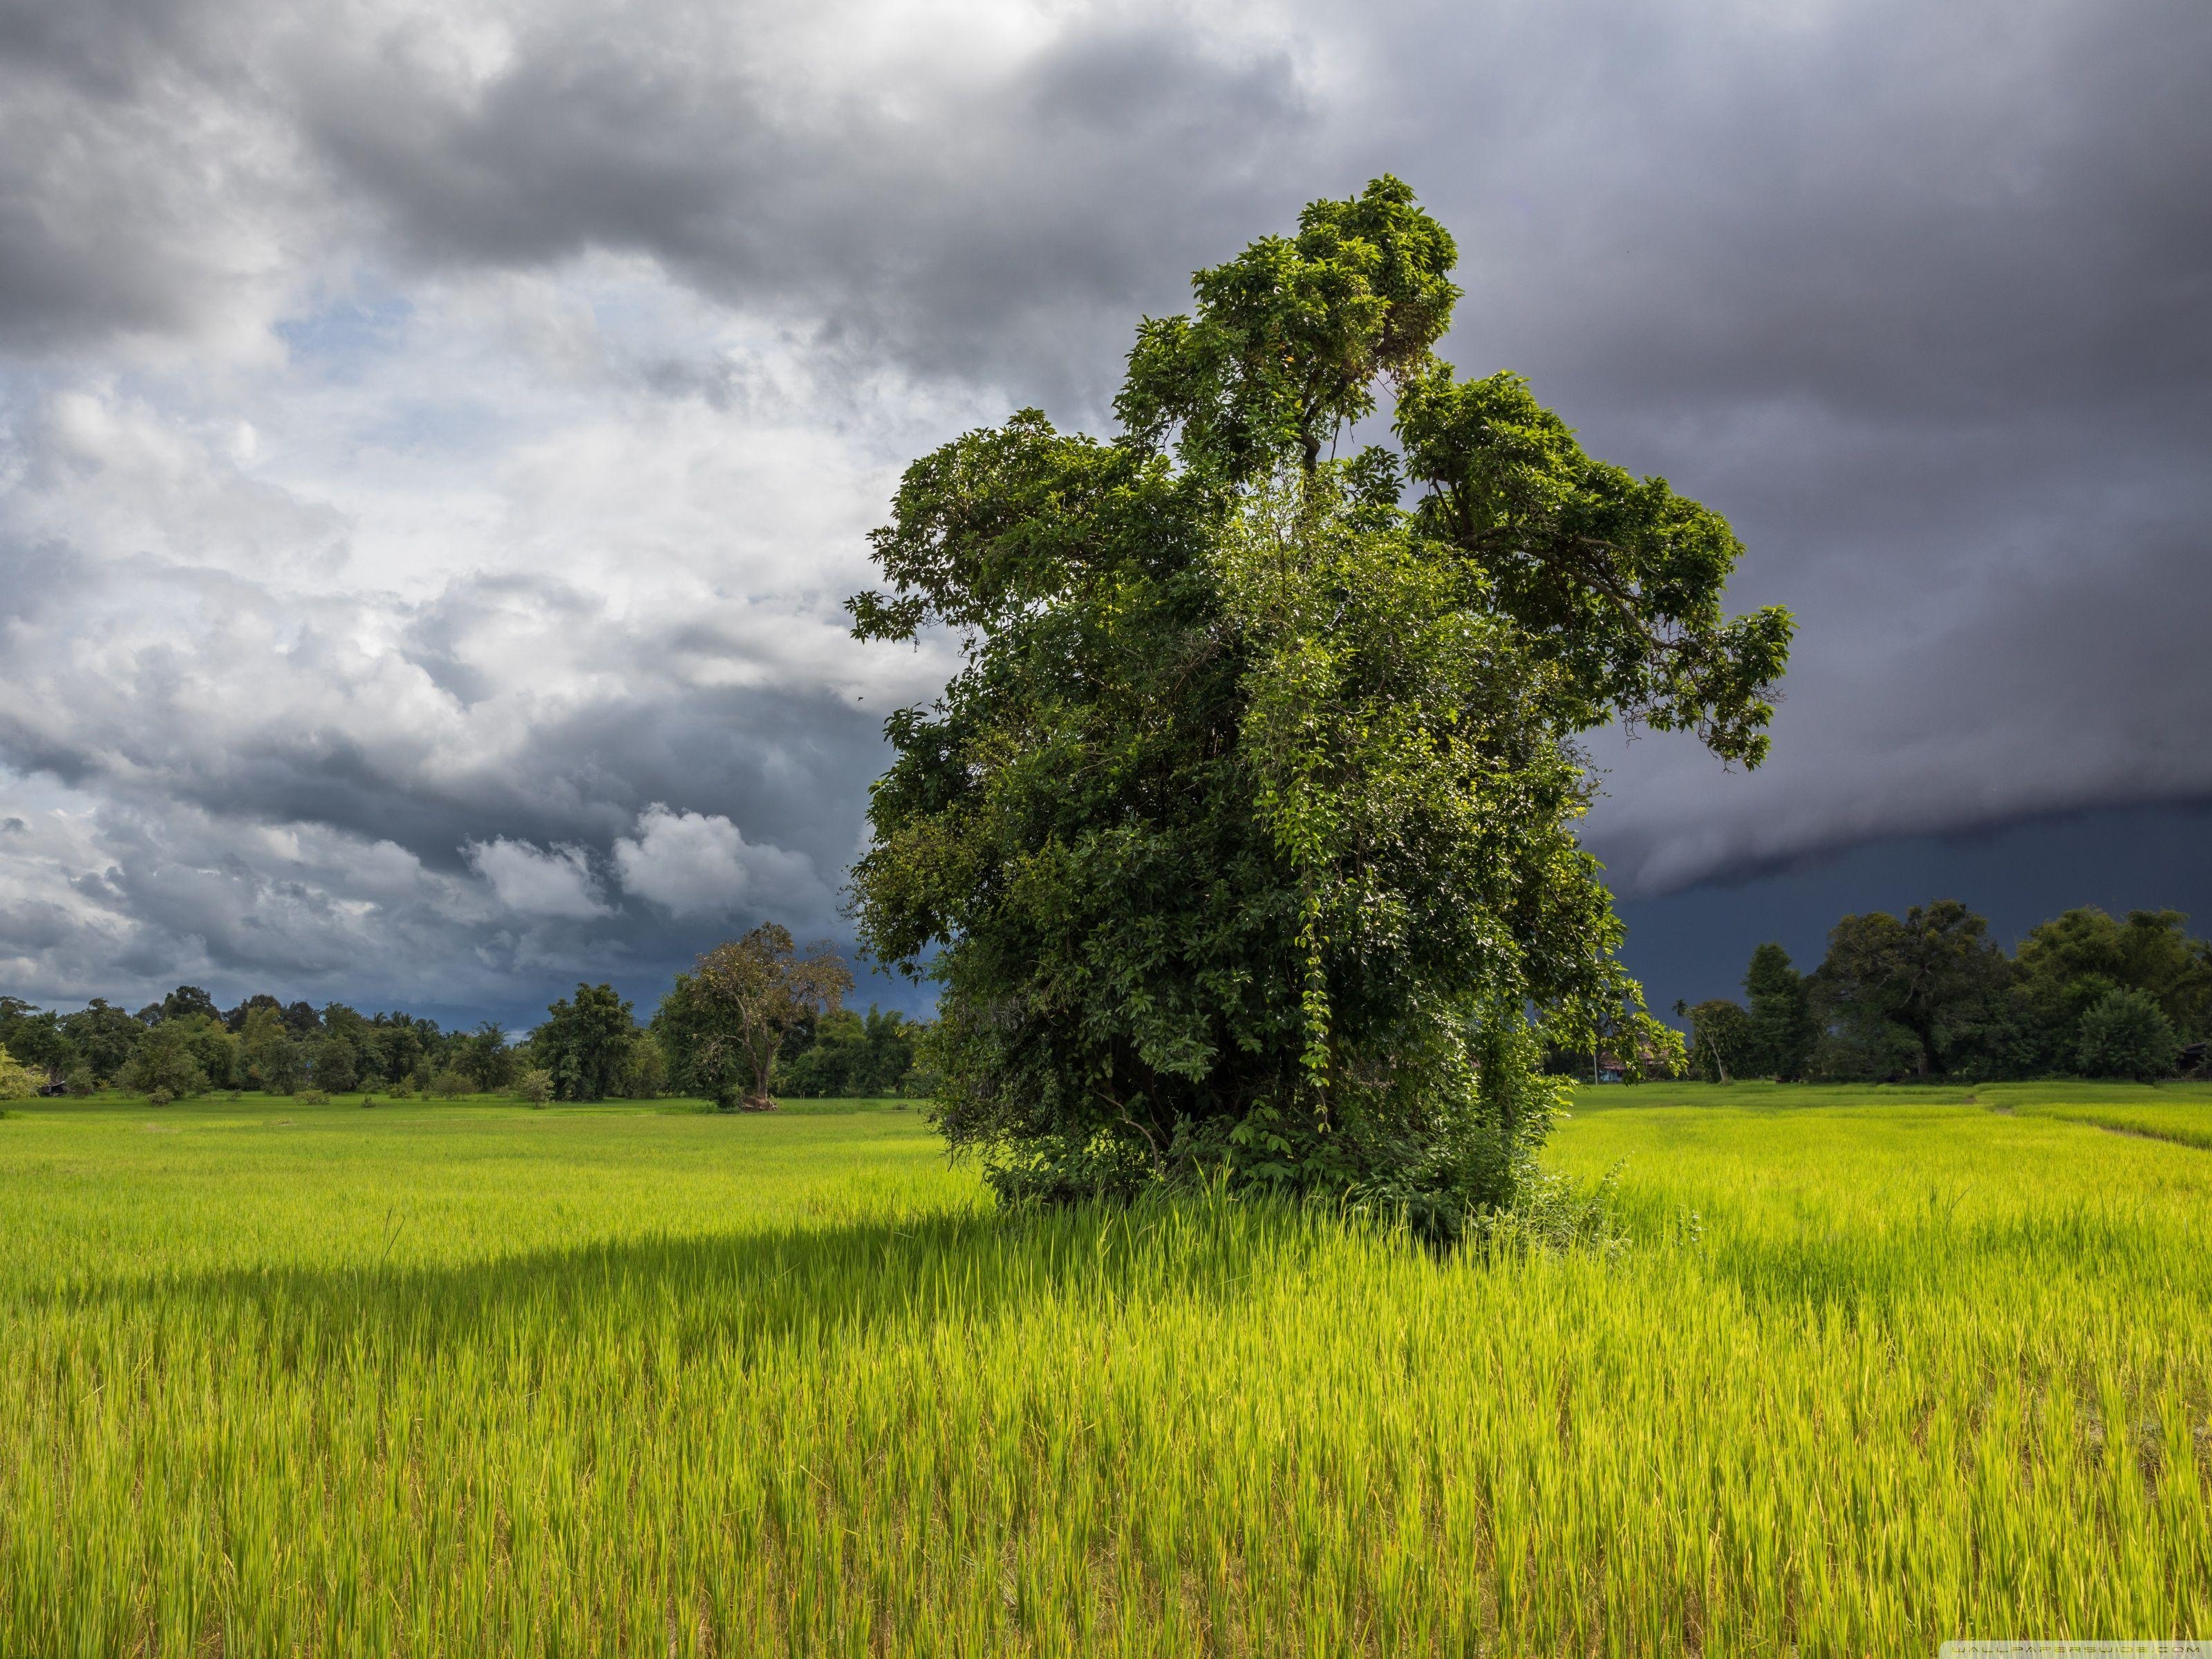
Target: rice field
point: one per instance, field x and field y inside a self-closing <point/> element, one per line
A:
<point x="1881" y="1368"/>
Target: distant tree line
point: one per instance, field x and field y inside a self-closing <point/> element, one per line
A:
<point x="1933" y="996"/>
<point x="717" y="1034"/>
<point x="185" y="1044"/>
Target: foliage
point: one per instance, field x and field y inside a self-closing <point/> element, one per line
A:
<point x="449" y="1085"/>
<point x="1722" y="1041"/>
<point x="584" y="1043"/>
<point x="39" y="1040"/>
<point x="699" y="1058"/>
<point x="1245" y="833"/>
<point x="189" y="1002"/>
<point x="847" y="1056"/>
<point x="2126" y="1034"/>
<point x="2070" y="963"/>
<point x="1926" y="996"/>
<point x="161" y="1095"/>
<point x="731" y="1015"/>
<point x="486" y="1055"/>
<point x="1783" y="1030"/>
<point x="104" y="1035"/>
<point x="17" y="1080"/>
<point x="271" y="1058"/>
<point x="314" y="1097"/>
<point x="534" y="1084"/>
<point x="336" y="1069"/>
<point x="165" y="1061"/>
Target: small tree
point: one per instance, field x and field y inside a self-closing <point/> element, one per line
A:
<point x="535" y="1086"/>
<point x="2125" y="1034"/>
<point x="749" y="992"/>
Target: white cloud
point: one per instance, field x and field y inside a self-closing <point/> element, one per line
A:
<point x="699" y="864"/>
<point x="552" y="881"/>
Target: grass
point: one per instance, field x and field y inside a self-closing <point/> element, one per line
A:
<point x="1884" y="1368"/>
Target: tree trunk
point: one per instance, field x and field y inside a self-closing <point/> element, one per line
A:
<point x="757" y="1098"/>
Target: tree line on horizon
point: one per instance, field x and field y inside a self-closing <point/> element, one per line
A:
<point x="590" y="1046"/>
<point x="1932" y="996"/>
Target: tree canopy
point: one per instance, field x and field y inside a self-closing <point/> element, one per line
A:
<point x="1244" y="837"/>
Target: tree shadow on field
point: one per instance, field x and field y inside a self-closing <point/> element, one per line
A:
<point x="742" y="1289"/>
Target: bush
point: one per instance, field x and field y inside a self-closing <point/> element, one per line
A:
<point x="81" y="1081"/>
<point x="403" y="1090"/>
<point x="535" y="1086"/>
<point x="17" y="1080"/>
<point x="2126" y="1034"/>
<point x="312" y="1097"/>
<point x="450" y="1084"/>
<point x="368" y="1101"/>
<point x="159" y="1097"/>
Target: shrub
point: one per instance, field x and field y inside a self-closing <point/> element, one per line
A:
<point x="368" y="1101"/>
<point x="401" y="1089"/>
<point x="312" y="1097"/>
<point x="2126" y="1034"/>
<point x="159" y="1097"/>
<point x="450" y="1084"/>
<point x="17" y="1080"/>
<point x="81" y="1081"/>
<point x="535" y="1086"/>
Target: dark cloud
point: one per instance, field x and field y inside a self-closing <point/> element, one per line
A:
<point x="1920" y="296"/>
<point x="1001" y="224"/>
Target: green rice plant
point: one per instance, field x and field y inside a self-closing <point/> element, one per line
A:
<point x="619" y="1379"/>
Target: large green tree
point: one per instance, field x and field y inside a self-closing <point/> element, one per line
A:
<point x="1244" y="837"/>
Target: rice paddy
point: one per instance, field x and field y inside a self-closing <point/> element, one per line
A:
<point x="1881" y="1368"/>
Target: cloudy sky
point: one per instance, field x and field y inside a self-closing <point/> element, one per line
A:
<point x="435" y="438"/>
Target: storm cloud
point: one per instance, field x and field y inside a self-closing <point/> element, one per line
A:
<point x="435" y="440"/>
